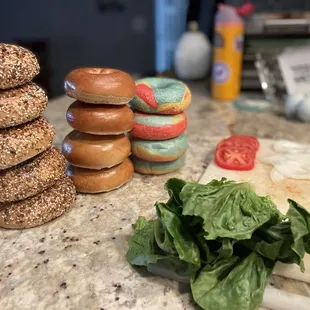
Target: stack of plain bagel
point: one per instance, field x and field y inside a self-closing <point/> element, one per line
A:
<point x="33" y="186"/>
<point x="98" y="148"/>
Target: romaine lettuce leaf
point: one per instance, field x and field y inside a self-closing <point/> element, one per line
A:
<point x="144" y="251"/>
<point x="222" y="236"/>
<point x="231" y="210"/>
<point x="287" y="241"/>
<point x="226" y="250"/>
<point x="141" y="245"/>
<point x="174" y="187"/>
<point x="184" y="243"/>
<point x="231" y="284"/>
<point x="299" y="218"/>
<point x="163" y="239"/>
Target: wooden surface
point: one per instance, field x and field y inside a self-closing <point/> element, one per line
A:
<point x="286" y="277"/>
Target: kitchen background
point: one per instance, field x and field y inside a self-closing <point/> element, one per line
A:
<point x="128" y="35"/>
<point x="42" y="266"/>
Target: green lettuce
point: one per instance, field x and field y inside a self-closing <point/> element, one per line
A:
<point x="287" y="241"/>
<point x="174" y="187"/>
<point x="235" y="209"/>
<point x="184" y="243"/>
<point x="221" y="238"/>
<point x="231" y="283"/>
<point x="300" y="227"/>
<point x="142" y="249"/>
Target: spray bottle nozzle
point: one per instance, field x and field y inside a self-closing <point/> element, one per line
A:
<point x="246" y="9"/>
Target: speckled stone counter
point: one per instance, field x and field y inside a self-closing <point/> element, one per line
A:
<point x="77" y="261"/>
<point x="271" y="126"/>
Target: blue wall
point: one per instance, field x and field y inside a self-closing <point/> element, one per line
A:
<point x="79" y="35"/>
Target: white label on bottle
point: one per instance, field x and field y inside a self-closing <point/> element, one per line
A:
<point x="294" y="64"/>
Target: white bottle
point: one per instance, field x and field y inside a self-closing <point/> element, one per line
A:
<point x="292" y="102"/>
<point x="193" y="54"/>
<point x="303" y="109"/>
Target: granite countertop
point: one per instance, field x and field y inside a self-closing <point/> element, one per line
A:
<point x="271" y="126"/>
<point x="77" y="261"/>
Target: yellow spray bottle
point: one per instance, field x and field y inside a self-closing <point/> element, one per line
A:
<point x="227" y="53"/>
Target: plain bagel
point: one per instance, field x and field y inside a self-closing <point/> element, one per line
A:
<point x="100" y="85"/>
<point x="17" y="66"/>
<point x="93" y="151"/>
<point x="100" y="119"/>
<point x="21" y="104"/>
<point x="23" y="142"/>
<point x="38" y="209"/>
<point x="33" y="176"/>
<point x="104" y="180"/>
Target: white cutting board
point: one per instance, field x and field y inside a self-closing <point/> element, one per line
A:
<point x="298" y="190"/>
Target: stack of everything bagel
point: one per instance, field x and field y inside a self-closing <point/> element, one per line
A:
<point x="98" y="148"/>
<point x="158" y="142"/>
<point x="33" y="186"/>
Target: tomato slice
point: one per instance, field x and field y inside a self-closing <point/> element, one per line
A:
<point x="234" y="158"/>
<point x="244" y="142"/>
<point x="237" y="152"/>
<point x="236" y="147"/>
<point x="243" y="139"/>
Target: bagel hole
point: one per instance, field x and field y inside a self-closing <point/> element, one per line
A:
<point x="100" y="71"/>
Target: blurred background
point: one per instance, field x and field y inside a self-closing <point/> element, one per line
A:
<point x="142" y="36"/>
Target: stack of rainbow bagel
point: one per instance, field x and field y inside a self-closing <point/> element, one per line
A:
<point x="158" y="141"/>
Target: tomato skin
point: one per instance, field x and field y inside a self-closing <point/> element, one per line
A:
<point x="237" y="147"/>
<point x="234" y="160"/>
<point x="251" y="140"/>
<point x="237" y="152"/>
<point x="241" y="141"/>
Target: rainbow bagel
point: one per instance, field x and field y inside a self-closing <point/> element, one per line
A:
<point x="160" y="151"/>
<point x="161" y="96"/>
<point x="151" y="167"/>
<point x="158" y="127"/>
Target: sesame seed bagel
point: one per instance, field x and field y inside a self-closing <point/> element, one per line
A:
<point x="100" y="85"/>
<point x="18" y="66"/>
<point x="38" y="209"/>
<point x="21" y="104"/>
<point x="32" y="176"/>
<point x="17" y="144"/>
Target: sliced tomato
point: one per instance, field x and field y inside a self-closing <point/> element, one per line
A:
<point x="237" y="152"/>
<point x="234" y="158"/>
<point x="244" y="139"/>
<point x="237" y="142"/>
<point x="237" y="147"/>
